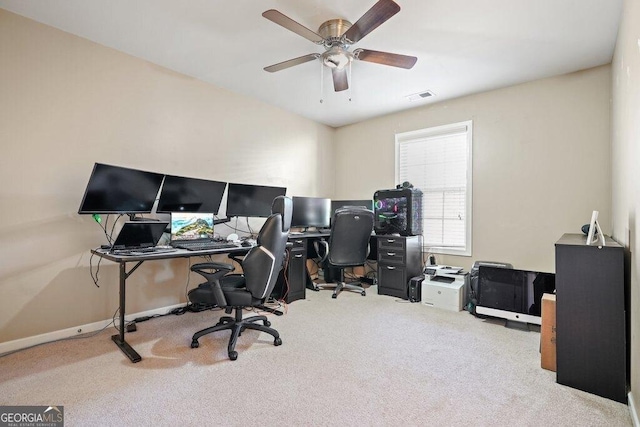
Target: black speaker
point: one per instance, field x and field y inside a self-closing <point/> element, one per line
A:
<point x="415" y="289"/>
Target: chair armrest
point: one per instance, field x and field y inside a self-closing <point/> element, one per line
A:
<point x="325" y="244"/>
<point x="213" y="272"/>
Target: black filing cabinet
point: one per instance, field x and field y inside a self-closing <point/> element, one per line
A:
<point x="591" y="348"/>
<point x="399" y="259"/>
<point x="293" y="279"/>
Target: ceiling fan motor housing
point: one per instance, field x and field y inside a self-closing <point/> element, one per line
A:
<point x="337" y="54"/>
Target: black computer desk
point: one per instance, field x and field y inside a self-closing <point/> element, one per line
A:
<point x="122" y="260"/>
<point x="298" y="276"/>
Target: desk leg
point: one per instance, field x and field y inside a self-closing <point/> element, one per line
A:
<point x="119" y="338"/>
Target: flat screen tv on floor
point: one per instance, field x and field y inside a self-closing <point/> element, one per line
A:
<point x="513" y="295"/>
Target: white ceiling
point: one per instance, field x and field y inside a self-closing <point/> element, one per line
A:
<point x="462" y="46"/>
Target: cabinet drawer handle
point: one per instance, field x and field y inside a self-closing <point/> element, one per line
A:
<point x="391" y="240"/>
<point x="391" y="253"/>
<point x="299" y="241"/>
<point x="390" y="267"/>
<point x="298" y="256"/>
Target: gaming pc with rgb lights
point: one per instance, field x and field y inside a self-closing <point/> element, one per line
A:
<point x="398" y="211"/>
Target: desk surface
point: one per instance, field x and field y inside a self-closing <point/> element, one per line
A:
<point x="177" y="253"/>
<point x="309" y="234"/>
<point x="184" y="253"/>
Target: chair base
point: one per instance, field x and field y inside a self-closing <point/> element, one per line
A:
<point x="340" y="286"/>
<point x="237" y="325"/>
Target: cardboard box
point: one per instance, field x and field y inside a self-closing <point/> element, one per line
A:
<point x="548" y="332"/>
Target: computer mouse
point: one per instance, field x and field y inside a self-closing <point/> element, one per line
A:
<point x="246" y="243"/>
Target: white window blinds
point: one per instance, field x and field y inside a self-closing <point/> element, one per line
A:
<point x="438" y="162"/>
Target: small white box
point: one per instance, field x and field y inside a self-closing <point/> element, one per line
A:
<point x="440" y="294"/>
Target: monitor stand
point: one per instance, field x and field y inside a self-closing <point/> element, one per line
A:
<point x="134" y="217"/>
<point x="522" y="326"/>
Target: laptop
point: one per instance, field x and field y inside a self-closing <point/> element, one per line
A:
<point x="194" y="231"/>
<point x="138" y="235"/>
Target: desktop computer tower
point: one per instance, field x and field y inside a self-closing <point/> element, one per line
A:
<point x="398" y="211"/>
<point x="415" y="288"/>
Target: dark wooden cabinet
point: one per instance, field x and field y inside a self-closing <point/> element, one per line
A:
<point x="591" y="347"/>
<point x="399" y="259"/>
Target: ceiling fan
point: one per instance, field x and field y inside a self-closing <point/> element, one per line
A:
<point x="337" y="36"/>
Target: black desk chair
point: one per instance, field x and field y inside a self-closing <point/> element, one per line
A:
<point x="348" y="244"/>
<point x="261" y="267"/>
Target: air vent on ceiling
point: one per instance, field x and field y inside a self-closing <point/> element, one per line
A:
<point x="419" y="96"/>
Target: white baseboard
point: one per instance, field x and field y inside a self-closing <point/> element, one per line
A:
<point x="634" y="411"/>
<point x="23" y="343"/>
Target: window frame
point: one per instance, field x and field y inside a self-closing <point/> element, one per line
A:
<point x="444" y="130"/>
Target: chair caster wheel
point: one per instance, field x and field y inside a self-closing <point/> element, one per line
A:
<point x="195" y="344"/>
<point x="277" y="342"/>
<point x="233" y="355"/>
<point x="334" y="296"/>
<point x="363" y="293"/>
<point x="267" y="323"/>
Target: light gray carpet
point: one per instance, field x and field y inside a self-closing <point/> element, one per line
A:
<point x="355" y="360"/>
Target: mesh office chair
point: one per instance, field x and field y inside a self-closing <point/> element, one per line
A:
<point x="261" y="267"/>
<point x="348" y="245"/>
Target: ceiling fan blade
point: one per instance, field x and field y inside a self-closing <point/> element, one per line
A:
<point x="291" y="25"/>
<point x="340" y="81"/>
<point x="374" y="17"/>
<point x="291" y="62"/>
<point x="385" y="58"/>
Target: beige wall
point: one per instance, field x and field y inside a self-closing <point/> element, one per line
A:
<point x="66" y="103"/>
<point x="541" y="162"/>
<point x="626" y="160"/>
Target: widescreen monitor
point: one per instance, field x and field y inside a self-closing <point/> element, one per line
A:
<point x="513" y="294"/>
<point x="251" y="200"/>
<point x="311" y="212"/>
<point x="116" y="189"/>
<point x="182" y="194"/>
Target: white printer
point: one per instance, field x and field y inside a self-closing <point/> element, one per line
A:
<point x="445" y="287"/>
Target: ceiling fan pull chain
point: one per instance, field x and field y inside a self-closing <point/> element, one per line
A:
<point x="321" y="81"/>
<point x="350" y="80"/>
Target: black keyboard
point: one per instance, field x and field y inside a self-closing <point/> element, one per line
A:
<point x="203" y="246"/>
<point x="142" y="251"/>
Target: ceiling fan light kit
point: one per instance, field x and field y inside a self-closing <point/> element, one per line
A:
<point x="337" y="36"/>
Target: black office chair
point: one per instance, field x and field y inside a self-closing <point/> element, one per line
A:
<point x="261" y="267"/>
<point x="348" y="245"/>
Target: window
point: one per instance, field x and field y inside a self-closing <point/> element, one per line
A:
<point x="437" y="160"/>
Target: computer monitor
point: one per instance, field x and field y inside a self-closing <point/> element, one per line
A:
<point x="311" y="212"/>
<point x="595" y="232"/>
<point x="116" y="189"/>
<point x="251" y="200"/>
<point x="513" y="294"/>
<point x="191" y="226"/>
<point x="182" y="194"/>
